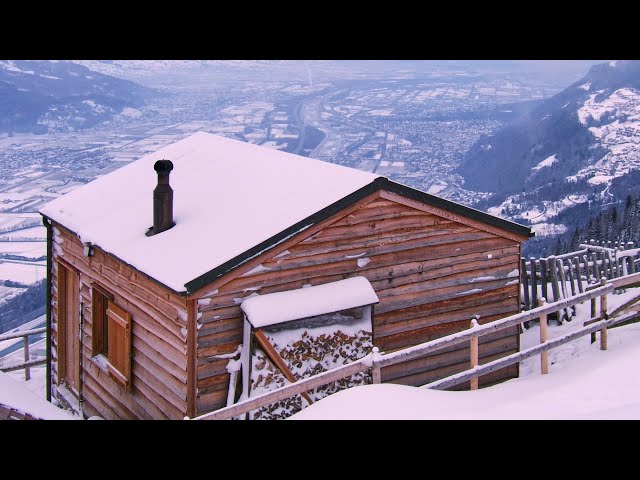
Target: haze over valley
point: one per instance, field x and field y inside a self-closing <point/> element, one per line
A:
<point x="430" y="125"/>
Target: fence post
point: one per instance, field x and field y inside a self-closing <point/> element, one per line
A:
<point x="596" y="267"/>
<point x="474" y="352"/>
<point x="27" y="370"/>
<point x="544" y="356"/>
<point x="576" y="262"/>
<point x="603" y="316"/>
<point x="534" y="281"/>
<point x="525" y="284"/>
<point x="543" y="277"/>
<point x="632" y="265"/>
<point x="376" y="375"/>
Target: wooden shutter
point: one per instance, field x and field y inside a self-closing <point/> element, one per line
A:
<point x="119" y="345"/>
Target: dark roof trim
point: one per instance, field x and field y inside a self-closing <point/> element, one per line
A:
<point x="317" y="217"/>
<point x="380" y="183"/>
<point x="457" y="208"/>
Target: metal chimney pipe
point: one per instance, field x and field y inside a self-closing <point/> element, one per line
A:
<point x="162" y="198"/>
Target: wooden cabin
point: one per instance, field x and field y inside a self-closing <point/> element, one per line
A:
<point x="148" y="270"/>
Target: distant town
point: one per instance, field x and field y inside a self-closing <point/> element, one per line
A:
<point x="414" y="131"/>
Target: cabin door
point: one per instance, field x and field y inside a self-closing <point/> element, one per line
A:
<point x="68" y="325"/>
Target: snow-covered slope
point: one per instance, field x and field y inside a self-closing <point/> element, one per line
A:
<point x="580" y="146"/>
<point x="41" y="96"/>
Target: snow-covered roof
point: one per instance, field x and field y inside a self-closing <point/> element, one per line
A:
<point x="274" y="308"/>
<point x="229" y="196"/>
<point x="15" y="395"/>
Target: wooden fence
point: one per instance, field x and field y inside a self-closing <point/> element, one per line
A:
<point x="27" y="364"/>
<point x="375" y="360"/>
<point x="563" y="276"/>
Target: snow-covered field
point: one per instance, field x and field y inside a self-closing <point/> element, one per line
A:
<point x="26" y="273"/>
<point x="583" y="383"/>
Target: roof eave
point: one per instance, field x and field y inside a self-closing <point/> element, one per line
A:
<point x="380" y="183"/>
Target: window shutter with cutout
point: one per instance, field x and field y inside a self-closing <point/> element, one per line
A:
<point x="119" y="353"/>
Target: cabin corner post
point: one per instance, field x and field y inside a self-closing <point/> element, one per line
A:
<point x="192" y="358"/>
<point x="48" y="226"/>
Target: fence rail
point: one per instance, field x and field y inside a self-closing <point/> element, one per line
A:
<point x="563" y="276"/>
<point x="375" y="361"/>
<point x="27" y="364"/>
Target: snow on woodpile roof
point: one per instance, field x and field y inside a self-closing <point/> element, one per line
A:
<point x="229" y="196"/>
<point x="15" y="395"/>
<point x="274" y="308"/>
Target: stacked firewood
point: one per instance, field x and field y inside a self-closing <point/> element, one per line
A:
<point x="308" y="356"/>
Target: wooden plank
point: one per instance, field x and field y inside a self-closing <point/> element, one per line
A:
<point x="172" y="406"/>
<point x="285" y="392"/>
<point x="553" y="276"/>
<point x="390" y="302"/>
<point x="534" y="282"/>
<point x="192" y="357"/>
<point x="140" y="346"/>
<point x="60" y="343"/>
<point x="504" y="306"/>
<point x="576" y="263"/>
<point x="544" y="359"/>
<point x="375" y="270"/>
<point x="603" y="314"/>
<point x="451" y="216"/>
<point x="473" y="359"/>
<point x="111" y="393"/>
<point x="457" y="354"/>
<point x="25" y="364"/>
<point x="211" y="401"/>
<point x="277" y="360"/>
<point x="346" y="239"/>
<point x="12" y="335"/>
<point x="419" y="379"/>
<point x="157" y="344"/>
<point x="524" y="354"/>
<point x="543" y="278"/>
<point x="525" y="283"/>
<point x="176" y="386"/>
<point x="211" y="368"/>
<point x="626" y="281"/>
<point x="513" y="320"/>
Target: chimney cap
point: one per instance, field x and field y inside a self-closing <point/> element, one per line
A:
<point x="163" y="166"/>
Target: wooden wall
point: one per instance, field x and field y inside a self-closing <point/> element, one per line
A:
<point x="432" y="273"/>
<point x="159" y="346"/>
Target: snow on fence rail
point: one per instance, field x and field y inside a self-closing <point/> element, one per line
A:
<point x="375" y="361"/>
<point x="562" y="276"/>
<point x="27" y="364"/>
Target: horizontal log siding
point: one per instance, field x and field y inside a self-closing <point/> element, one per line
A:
<point x="158" y="342"/>
<point x="430" y="273"/>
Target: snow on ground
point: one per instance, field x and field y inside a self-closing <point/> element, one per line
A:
<point x="26" y="273"/>
<point x="583" y="383"/>
<point x="21" y="396"/>
<point x="547" y="229"/>
<point x="547" y="162"/>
